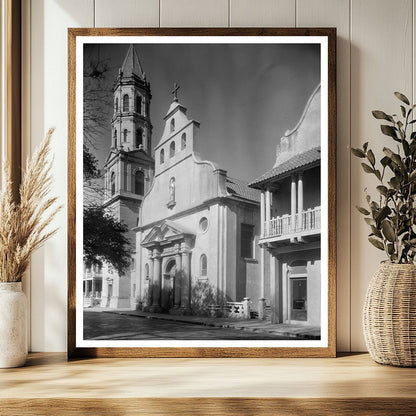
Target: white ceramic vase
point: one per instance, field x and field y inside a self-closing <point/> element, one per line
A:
<point x="13" y="325"/>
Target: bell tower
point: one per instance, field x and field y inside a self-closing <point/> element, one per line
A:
<point x="129" y="167"/>
<point x="130" y="125"/>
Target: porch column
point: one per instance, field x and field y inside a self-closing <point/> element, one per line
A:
<point x="293" y="205"/>
<point x="268" y="210"/>
<point x="262" y="208"/>
<point x="157" y="280"/>
<point x="262" y="300"/>
<point x="186" y="279"/>
<point x="300" y="199"/>
<point x="178" y="277"/>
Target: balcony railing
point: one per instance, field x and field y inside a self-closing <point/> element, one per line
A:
<point x="306" y="222"/>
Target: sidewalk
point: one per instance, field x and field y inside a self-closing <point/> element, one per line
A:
<point x="253" y="325"/>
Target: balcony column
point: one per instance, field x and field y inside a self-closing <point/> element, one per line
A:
<point x="268" y="211"/>
<point x="262" y="208"/>
<point x="293" y="205"/>
<point x="300" y="199"/>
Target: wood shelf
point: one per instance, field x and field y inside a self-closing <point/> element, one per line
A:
<point x="349" y="384"/>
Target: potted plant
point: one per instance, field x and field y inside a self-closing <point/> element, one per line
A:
<point x="389" y="318"/>
<point x="23" y="229"/>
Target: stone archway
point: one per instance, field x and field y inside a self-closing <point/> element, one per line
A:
<point x="168" y="285"/>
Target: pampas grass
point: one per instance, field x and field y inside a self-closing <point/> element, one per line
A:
<point x="24" y="224"/>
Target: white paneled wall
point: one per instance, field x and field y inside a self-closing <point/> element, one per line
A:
<point x="375" y="55"/>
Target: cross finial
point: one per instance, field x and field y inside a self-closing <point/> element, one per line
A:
<point x="175" y="91"/>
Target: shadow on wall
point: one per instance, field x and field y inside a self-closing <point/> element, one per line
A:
<point x="205" y="299"/>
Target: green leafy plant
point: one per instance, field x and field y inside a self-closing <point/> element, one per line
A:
<point x="391" y="216"/>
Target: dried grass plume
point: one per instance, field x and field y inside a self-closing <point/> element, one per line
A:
<point x="24" y="225"/>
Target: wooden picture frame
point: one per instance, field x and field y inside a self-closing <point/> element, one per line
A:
<point x="296" y="307"/>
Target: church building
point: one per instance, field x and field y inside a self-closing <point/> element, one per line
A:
<point x="197" y="237"/>
<point x="193" y="229"/>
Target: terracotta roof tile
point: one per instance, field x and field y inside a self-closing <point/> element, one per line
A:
<point x="303" y="159"/>
<point x="239" y="188"/>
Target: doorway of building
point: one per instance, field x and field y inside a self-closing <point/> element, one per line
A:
<point x="168" y="285"/>
<point x="109" y="295"/>
<point x="299" y="294"/>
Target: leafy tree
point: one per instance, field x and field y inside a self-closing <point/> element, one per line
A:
<point x="105" y="240"/>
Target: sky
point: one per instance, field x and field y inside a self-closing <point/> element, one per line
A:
<point x="244" y="95"/>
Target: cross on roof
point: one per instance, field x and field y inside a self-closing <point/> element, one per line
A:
<point x="175" y="91"/>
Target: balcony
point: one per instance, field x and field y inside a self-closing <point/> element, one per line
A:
<point x="288" y="227"/>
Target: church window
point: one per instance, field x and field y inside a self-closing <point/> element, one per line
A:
<point x="115" y="138"/>
<point x="139" y="183"/>
<point x="113" y="183"/>
<point x="172" y="149"/>
<point x="203" y="224"/>
<point x="247" y="238"/>
<point x="125" y="135"/>
<point x="139" y="137"/>
<point x="183" y="141"/>
<point x="203" y="265"/>
<point x="146" y="271"/>
<point x="139" y="104"/>
<point x="125" y="103"/>
<point x="172" y="125"/>
<point x="116" y="105"/>
<point x="162" y="156"/>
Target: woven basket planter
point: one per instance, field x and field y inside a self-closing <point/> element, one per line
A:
<point x="389" y="317"/>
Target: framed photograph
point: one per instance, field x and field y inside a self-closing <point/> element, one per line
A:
<point x="202" y="183"/>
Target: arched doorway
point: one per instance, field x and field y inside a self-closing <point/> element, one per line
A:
<point x="168" y="285"/>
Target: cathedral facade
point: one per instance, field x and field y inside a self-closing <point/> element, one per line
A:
<point x="193" y="229"/>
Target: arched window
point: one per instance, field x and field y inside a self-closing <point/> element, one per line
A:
<point x="115" y="138"/>
<point x="172" y="125"/>
<point x="146" y="271"/>
<point x="139" y="137"/>
<point x="113" y="183"/>
<point x="203" y="265"/>
<point x="125" y="103"/>
<point x="172" y="149"/>
<point x="139" y="183"/>
<point x="125" y="135"/>
<point x="139" y="104"/>
<point x="116" y="105"/>
<point x="162" y="156"/>
<point x="183" y="141"/>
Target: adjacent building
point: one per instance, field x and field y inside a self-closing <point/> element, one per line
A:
<point x="291" y="221"/>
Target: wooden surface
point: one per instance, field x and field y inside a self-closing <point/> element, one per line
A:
<point x="101" y="352"/>
<point x="353" y="384"/>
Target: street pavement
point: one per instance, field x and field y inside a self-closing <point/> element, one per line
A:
<point x="114" y="326"/>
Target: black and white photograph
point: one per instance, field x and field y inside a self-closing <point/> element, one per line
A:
<point x="202" y="215"/>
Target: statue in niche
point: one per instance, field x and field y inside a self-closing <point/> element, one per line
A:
<point x="171" y="202"/>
